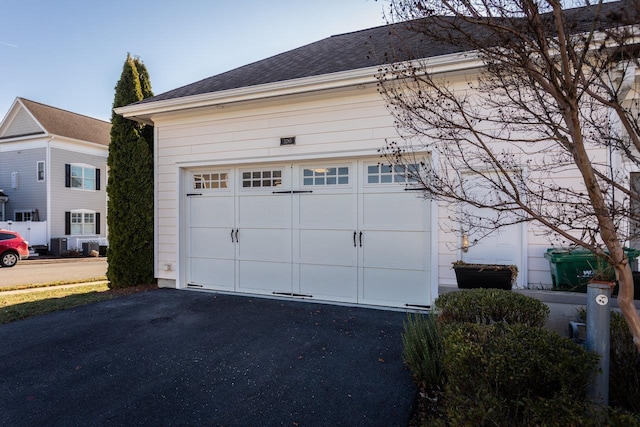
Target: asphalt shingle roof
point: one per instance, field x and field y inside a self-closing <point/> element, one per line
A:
<point x="350" y="51"/>
<point x="68" y="124"/>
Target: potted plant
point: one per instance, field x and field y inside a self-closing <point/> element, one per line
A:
<point x="604" y="273"/>
<point x="601" y="272"/>
<point x="498" y="276"/>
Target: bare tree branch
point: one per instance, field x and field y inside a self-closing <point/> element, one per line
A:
<point x="548" y="127"/>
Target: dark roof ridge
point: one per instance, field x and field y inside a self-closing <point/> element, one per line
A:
<point x="388" y="24"/>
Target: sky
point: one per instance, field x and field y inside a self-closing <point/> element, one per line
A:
<point x="69" y="53"/>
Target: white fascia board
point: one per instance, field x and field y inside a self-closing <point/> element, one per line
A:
<point x="79" y="146"/>
<point x="362" y="76"/>
<point x="30" y="137"/>
<point x="19" y="144"/>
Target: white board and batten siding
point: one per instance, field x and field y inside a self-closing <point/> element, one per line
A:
<point x="305" y="220"/>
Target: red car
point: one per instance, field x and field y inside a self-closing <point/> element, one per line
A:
<point x="13" y="248"/>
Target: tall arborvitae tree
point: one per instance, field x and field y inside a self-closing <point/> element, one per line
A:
<point x="130" y="185"/>
<point x="145" y="87"/>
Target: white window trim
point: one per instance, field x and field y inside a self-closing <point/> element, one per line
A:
<point x="326" y="167"/>
<point x="84" y="166"/>
<point x="224" y="183"/>
<point x="23" y="212"/>
<point x="273" y="181"/>
<point x="82" y="212"/>
<point x="393" y="174"/>
<point x="44" y="171"/>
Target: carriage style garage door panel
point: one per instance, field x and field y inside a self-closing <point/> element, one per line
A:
<point x="342" y="231"/>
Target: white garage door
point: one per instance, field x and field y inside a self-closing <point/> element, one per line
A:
<point x="334" y="230"/>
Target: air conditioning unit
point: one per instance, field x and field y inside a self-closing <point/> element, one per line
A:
<point x="58" y="246"/>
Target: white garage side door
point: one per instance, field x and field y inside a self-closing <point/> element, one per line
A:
<point x="264" y="230"/>
<point x="502" y="246"/>
<point x="324" y="226"/>
<point x="210" y="223"/>
<point x="393" y="238"/>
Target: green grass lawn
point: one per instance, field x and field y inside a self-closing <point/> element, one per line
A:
<point x="23" y="305"/>
<point x="50" y="284"/>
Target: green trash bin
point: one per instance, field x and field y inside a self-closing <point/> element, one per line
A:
<point x="568" y="268"/>
<point x="571" y="269"/>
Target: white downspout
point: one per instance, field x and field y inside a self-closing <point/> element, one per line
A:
<point x="47" y="177"/>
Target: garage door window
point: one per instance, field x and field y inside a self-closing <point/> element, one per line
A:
<point x="326" y="176"/>
<point x="255" y="179"/>
<point x="208" y="181"/>
<point x="388" y="174"/>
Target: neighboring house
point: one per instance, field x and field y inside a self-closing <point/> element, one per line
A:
<point x="269" y="181"/>
<point x="53" y="167"/>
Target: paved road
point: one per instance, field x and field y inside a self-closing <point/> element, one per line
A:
<point x="52" y="270"/>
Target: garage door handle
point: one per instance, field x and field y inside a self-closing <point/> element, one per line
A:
<point x="354" y="239"/>
<point x="361" y="239"/>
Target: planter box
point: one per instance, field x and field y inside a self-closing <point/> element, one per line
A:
<point x="472" y="276"/>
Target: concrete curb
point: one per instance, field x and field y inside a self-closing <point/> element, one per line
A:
<point x="48" y="260"/>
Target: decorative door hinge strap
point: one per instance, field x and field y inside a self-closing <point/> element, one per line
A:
<point x="423" y="307"/>
<point x="292" y="191"/>
<point x="292" y="294"/>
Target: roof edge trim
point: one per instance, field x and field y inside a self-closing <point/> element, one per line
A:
<point x="436" y="65"/>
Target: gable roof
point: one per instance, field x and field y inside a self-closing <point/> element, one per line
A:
<point x="350" y="51"/>
<point x="65" y="123"/>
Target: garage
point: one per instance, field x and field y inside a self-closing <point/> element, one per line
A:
<point x="334" y="230"/>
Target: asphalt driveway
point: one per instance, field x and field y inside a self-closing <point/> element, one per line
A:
<point x="169" y="358"/>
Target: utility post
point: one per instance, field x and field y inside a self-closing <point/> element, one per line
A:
<point x="598" y="338"/>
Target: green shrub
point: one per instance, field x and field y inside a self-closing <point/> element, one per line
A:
<point x="624" y="366"/>
<point x="617" y="418"/>
<point x="507" y="375"/>
<point x="422" y="351"/>
<point x="488" y="306"/>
